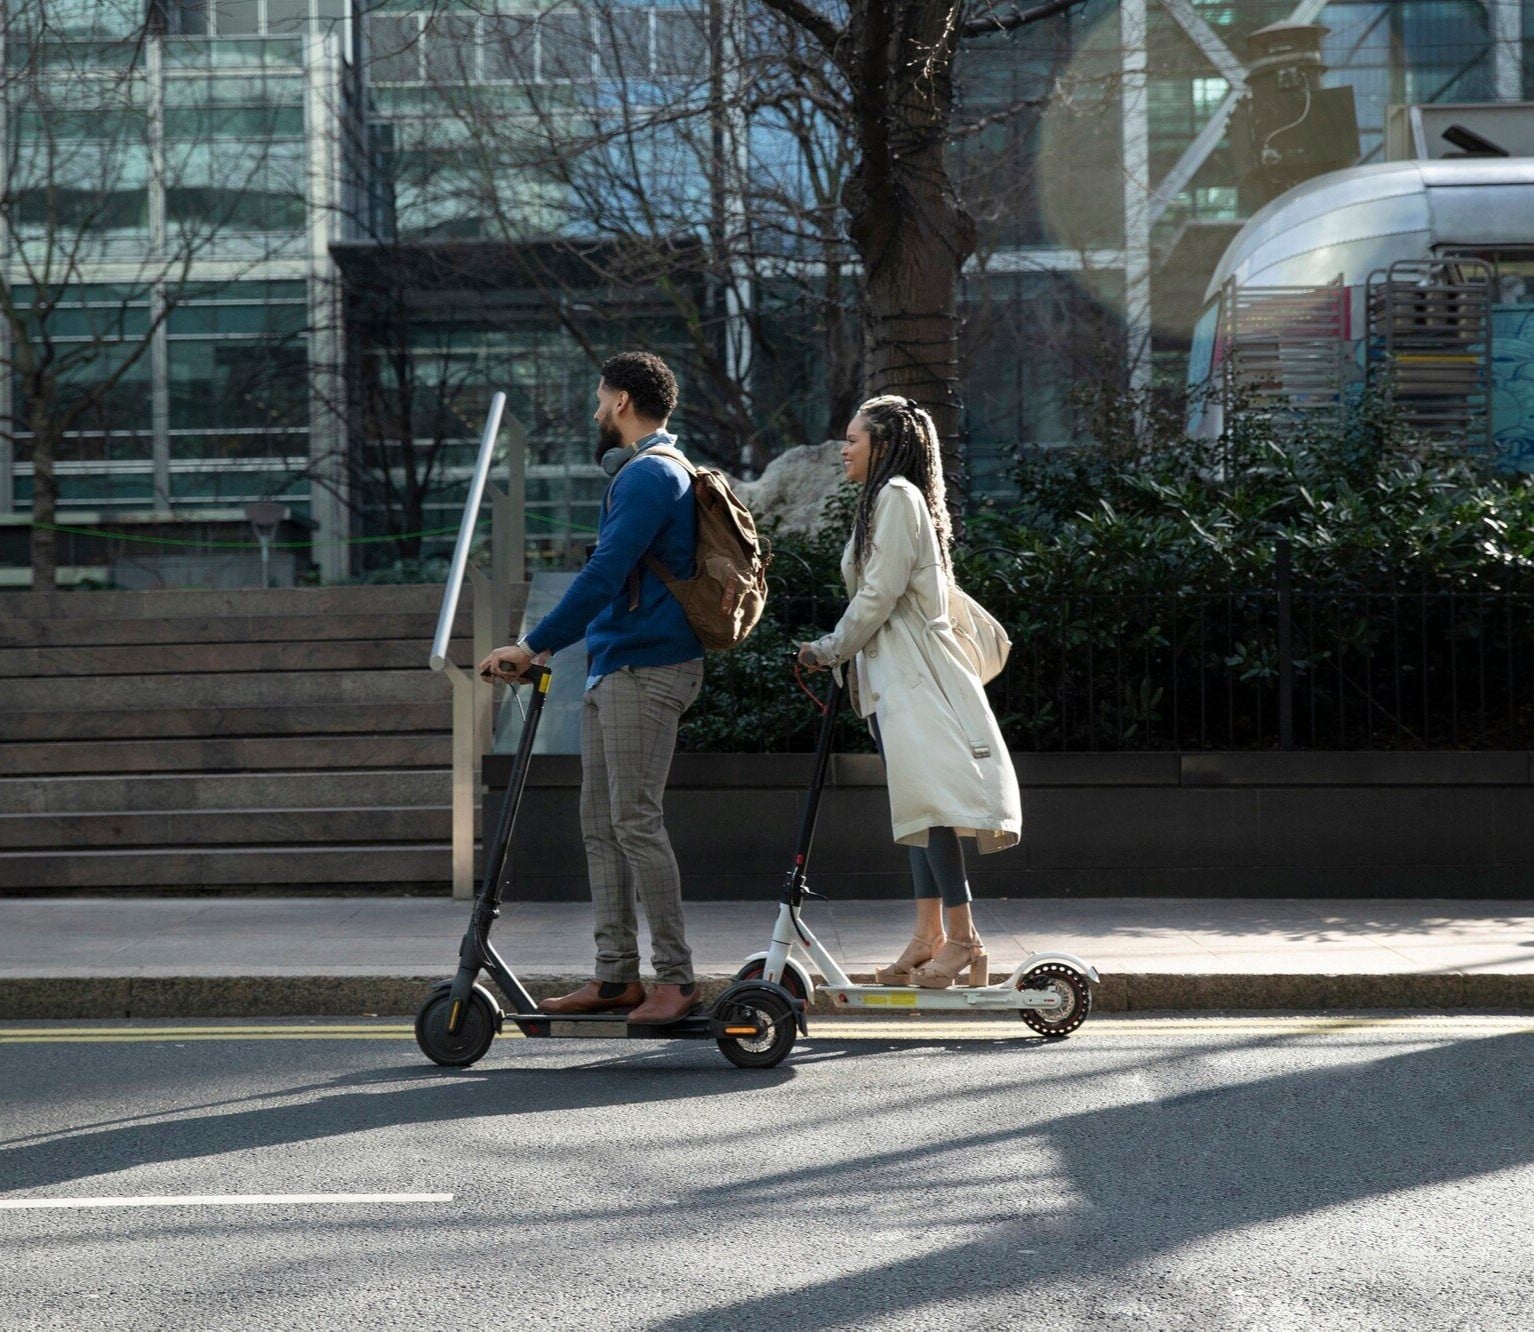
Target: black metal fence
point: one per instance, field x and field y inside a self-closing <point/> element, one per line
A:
<point x="1295" y="664"/>
<point x="1305" y="667"/>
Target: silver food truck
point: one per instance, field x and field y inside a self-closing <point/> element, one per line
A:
<point x="1416" y="277"/>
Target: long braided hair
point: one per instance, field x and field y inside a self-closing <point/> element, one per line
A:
<point x="905" y="444"/>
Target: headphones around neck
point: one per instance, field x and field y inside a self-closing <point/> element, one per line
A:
<point x="614" y="459"/>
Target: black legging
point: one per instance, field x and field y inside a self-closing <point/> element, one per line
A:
<point x="937" y="869"/>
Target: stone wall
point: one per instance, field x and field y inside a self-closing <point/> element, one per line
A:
<point x="1198" y="825"/>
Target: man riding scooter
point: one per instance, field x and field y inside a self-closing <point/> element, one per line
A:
<point x="645" y="670"/>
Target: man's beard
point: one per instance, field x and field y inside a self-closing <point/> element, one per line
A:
<point x="607" y="438"/>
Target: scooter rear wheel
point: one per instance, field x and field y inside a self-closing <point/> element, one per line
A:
<point x="473" y="1037"/>
<point x="1073" y="990"/>
<point x="771" y="1014"/>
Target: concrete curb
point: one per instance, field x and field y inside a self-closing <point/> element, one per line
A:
<point x="75" y="997"/>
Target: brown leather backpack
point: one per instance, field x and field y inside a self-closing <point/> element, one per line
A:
<point x="724" y="598"/>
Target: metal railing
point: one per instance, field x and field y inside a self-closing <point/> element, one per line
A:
<point x="1295" y="663"/>
<point x="1299" y="665"/>
<point x="491" y="598"/>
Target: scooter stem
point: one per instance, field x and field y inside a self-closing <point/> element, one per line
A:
<point x="795" y="881"/>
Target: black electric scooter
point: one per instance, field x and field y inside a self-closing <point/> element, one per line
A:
<point x="755" y="1021"/>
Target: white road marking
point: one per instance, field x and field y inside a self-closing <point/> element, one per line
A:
<point x="225" y="1200"/>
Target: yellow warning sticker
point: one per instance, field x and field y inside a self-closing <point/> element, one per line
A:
<point x="888" y="1000"/>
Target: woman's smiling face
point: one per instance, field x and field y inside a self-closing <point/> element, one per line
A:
<point x="857" y="451"/>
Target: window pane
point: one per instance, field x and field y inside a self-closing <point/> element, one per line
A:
<point x="681" y="44"/>
<point x="102" y="446"/>
<point x="238" y="18"/>
<point x="625" y="44"/>
<point x="509" y="45"/>
<point x="566" y="46"/>
<point x="450" y="49"/>
<point x="394" y="49"/>
<point x="247" y="122"/>
<point x="284" y="16"/>
<point x="84" y="382"/>
<point x="237" y="444"/>
<point x="231" y="486"/>
<point x="238" y="383"/>
<point x="92" y="18"/>
<point x="187" y="18"/>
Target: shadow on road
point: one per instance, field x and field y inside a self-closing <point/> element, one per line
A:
<point x="1151" y="1177"/>
<point x="357" y="1103"/>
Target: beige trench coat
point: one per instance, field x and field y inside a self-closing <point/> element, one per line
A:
<point x="946" y="763"/>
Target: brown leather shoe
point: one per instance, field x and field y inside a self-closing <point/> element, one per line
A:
<point x="666" y="1003"/>
<point x="588" y="999"/>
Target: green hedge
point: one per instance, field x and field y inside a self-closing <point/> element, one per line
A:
<point x="1137" y="578"/>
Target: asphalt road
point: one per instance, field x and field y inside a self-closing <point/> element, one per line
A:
<point x="1203" y="1173"/>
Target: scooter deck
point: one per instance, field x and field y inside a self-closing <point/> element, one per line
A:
<point x="958" y="998"/>
<point x="613" y="1026"/>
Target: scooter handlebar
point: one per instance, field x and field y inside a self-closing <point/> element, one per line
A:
<point x="532" y="674"/>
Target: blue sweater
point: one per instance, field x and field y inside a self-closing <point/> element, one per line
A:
<point x="652" y="510"/>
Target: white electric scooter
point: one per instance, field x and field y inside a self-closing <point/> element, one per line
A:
<point x="1050" y="991"/>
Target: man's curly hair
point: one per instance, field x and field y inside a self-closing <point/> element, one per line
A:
<point x="646" y="379"/>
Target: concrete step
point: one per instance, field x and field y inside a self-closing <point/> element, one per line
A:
<point x="166" y="603"/>
<point x="219" y="791"/>
<point x="395" y="865"/>
<point x="78" y="631"/>
<point x="252" y="754"/>
<point x="236" y="827"/>
<point x="168" y="658"/>
<point x="231" y="689"/>
<point x="332" y="719"/>
<point x="287" y="740"/>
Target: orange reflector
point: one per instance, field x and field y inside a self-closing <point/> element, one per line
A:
<point x="740" y="1031"/>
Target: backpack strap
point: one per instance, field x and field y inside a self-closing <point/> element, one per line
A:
<point x="649" y="561"/>
<point x="676" y="455"/>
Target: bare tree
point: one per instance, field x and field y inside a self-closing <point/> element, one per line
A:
<point x="105" y="217"/>
<point x="773" y="187"/>
<point x="407" y="383"/>
<point x="894" y="64"/>
<point x="665" y="173"/>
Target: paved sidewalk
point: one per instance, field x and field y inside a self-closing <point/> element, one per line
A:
<point x="100" y="957"/>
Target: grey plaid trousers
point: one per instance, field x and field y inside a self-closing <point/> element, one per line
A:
<point x="628" y="735"/>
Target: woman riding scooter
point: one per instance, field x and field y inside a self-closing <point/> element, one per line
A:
<point x="948" y="770"/>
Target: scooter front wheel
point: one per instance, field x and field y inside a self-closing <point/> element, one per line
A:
<point x="772" y="1023"/>
<point x="1074" y="993"/>
<point x="475" y="1032"/>
<point x="790" y="982"/>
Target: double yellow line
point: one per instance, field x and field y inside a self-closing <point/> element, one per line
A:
<point x="59" y="1035"/>
<point x="1440" y="1026"/>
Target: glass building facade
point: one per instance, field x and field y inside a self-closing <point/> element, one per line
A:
<point x="306" y="240"/>
<point x="174" y="185"/>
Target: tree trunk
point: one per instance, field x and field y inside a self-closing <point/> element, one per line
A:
<point x="911" y="316"/>
<point x="910" y="227"/>
<point x="45" y="499"/>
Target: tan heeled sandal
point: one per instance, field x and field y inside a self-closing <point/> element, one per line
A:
<point x="917" y="952"/>
<point x="951" y="959"/>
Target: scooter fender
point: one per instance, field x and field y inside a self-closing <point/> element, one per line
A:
<point x="1069" y="959"/>
<point x="438" y="987"/>
<point x="794" y="965"/>
<point x="795" y="1006"/>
